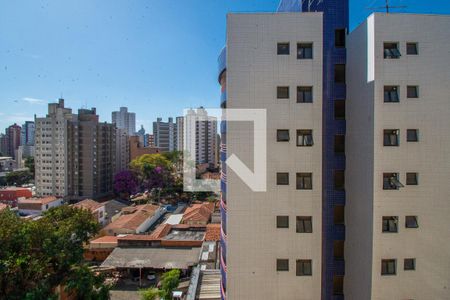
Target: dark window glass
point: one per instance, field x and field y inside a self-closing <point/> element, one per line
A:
<point x="339" y="179"/>
<point x="412" y="91"/>
<point x="304" y="51"/>
<point x="283" y="92"/>
<point x="390" y="224"/>
<point x="391" y="94"/>
<point x="282" y="264"/>
<point x="339" y="214"/>
<point x="282" y="178"/>
<point x="339" y="38"/>
<point x="304" y="94"/>
<point x="391" y="181"/>
<point x="304" y="267"/>
<point x="412" y="49"/>
<point x="338" y="285"/>
<point x="391" y="137"/>
<point x="339" y="73"/>
<point x="388" y="267"/>
<point x="283" y="135"/>
<point x="339" y="109"/>
<point x="283" y="48"/>
<point x="411" y="222"/>
<point x="409" y="264"/>
<point x="282" y="221"/>
<point x="412" y="135"/>
<point x="391" y="50"/>
<point x="339" y="144"/>
<point x="304" y="138"/>
<point x="304" y="181"/>
<point x="304" y="224"/>
<point x="338" y="250"/>
<point x="411" y="179"/>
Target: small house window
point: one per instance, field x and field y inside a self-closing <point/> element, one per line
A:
<point x="411" y="179"/>
<point x="304" y="267"/>
<point x="390" y="224"/>
<point x="409" y="264"/>
<point x="282" y="178"/>
<point x="304" y="181"/>
<point x="283" y="92"/>
<point x="412" y="49"/>
<point x="304" y="51"/>
<point x="304" y="224"/>
<point x="304" y="138"/>
<point x="283" y="48"/>
<point x="304" y="94"/>
<point x="388" y="267"/>
<point x="411" y="222"/>
<point x="283" y="135"/>
<point x="412" y="135"/>
<point x="282" y="264"/>
<point x="412" y="91"/>
<point x="282" y="221"/>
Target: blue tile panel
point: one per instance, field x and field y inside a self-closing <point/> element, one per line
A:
<point x="335" y="17"/>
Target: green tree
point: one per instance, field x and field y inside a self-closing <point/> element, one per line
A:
<point x="38" y="256"/>
<point x="152" y="161"/>
<point x="18" y="178"/>
<point x="169" y="282"/>
<point x="29" y="163"/>
<point x="150" y="293"/>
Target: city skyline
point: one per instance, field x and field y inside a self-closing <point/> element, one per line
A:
<point x="136" y="70"/>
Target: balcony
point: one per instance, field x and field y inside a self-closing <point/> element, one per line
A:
<point x="222" y="61"/>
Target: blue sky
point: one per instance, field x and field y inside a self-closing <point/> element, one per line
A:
<point x="155" y="56"/>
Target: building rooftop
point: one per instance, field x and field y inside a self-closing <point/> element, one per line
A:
<point x="133" y="217"/>
<point x="212" y="232"/>
<point x="185" y="235"/>
<point x="200" y="212"/>
<point x="88" y="204"/>
<point x="42" y="201"/>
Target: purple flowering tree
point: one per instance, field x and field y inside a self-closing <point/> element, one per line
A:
<point x="125" y="183"/>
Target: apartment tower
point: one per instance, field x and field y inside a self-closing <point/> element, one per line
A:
<point x="287" y="242"/>
<point x="164" y="134"/>
<point x="124" y="120"/>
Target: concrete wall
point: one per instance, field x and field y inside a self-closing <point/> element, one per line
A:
<point x="254" y="70"/>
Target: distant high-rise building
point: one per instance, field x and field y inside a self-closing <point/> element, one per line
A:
<point x="122" y="150"/>
<point x="141" y="135"/>
<point x="13" y="136"/>
<point x="75" y="154"/>
<point x="164" y="134"/>
<point x="179" y="133"/>
<point x="150" y="140"/>
<point x="27" y="133"/>
<point x="200" y="133"/>
<point x="125" y="120"/>
<point x="3" y="144"/>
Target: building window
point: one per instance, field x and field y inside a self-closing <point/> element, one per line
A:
<point x="412" y="49"/>
<point x="391" y="51"/>
<point x="304" y="181"/>
<point x="338" y="250"/>
<point x="339" y="109"/>
<point x="304" y="138"/>
<point x="282" y="264"/>
<point x="304" y="224"/>
<point x="409" y="264"/>
<point x="283" y="48"/>
<point x="282" y="221"/>
<point x="412" y="91"/>
<point x="338" y="285"/>
<point x="339" y="214"/>
<point x="390" y="224"/>
<point x="391" y="93"/>
<point x="304" y="51"/>
<point x="283" y="135"/>
<point x="411" y="179"/>
<point x="339" y="38"/>
<point x="304" y="94"/>
<point x="339" y="180"/>
<point x="391" y="181"/>
<point x="282" y="178"/>
<point x="391" y="137"/>
<point x="303" y="267"/>
<point x="339" y="73"/>
<point x="283" y="92"/>
<point x="412" y="135"/>
<point x="339" y="143"/>
<point x="411" y="222"/>
<point x="388" y="267"/>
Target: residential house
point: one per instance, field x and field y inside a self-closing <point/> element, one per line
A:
<point x="36" y="206"/>
<point x="198" y="214"/>
<point x="97" y="209"/>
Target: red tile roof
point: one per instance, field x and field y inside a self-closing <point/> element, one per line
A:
<point x="198" y="212"/>
<point x="133" y="220"/>
<point x="41" y="201"/>
<point x="88" y="204"/>
<point x="3" y="206"/>
<point x="105" y="239"/>
<point x="212" y="232"/>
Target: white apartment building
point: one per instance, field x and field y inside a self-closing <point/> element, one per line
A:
<point x="51" y="150"/>
<point x="274" y="238"/>
<point x="124" y="120"/>
<point x="398" y="158"/>
<point x="122" y="150"/>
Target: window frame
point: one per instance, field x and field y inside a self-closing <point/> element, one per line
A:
<point x="414" y="224"/>
<point x="394" y="181"/>
<point x="391" y="52"/>
<point x="409" y="264"/>
<point x="303" y="91"/>
<point x="391" y="94"/>
<point x="389" y="224"/>
<point x="337" y="147"/>
<point x="279" y="138"/>
<point x="279" y="182"/>
<point x="279" y="50"/>
<point x="336" y="178"/>
<point x="305" y="134"/>
<point x="300" y="267"/>
<point x="280" y="265"/>
<point x="338" y="75"/>
<point x="304" y="185"/>
<point x="416" y="135"/>
<point x="281" y="222"/>
<point x="280" y="92"/>
<point x="339" y="109"/>
<point x="412" y="180"/>
<point x="388" y="135"/>
<point x="338" y="37"/>
<point x="412" y="95"/>
<point x="303" y="224"/>
<point x="386" y="265"/>
<point x="305" y="53"/>
<point x="416" y="48"/>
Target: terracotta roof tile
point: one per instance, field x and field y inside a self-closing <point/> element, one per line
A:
<point x="212" y="232"/>
<point x="198" y="212"/>
<point x="133" y="220"/>
<point x="88" y="204"/>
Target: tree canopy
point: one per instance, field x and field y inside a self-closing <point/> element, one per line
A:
<point x="38" y="256"/>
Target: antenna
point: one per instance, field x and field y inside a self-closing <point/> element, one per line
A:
<point x="387" y="7"/>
